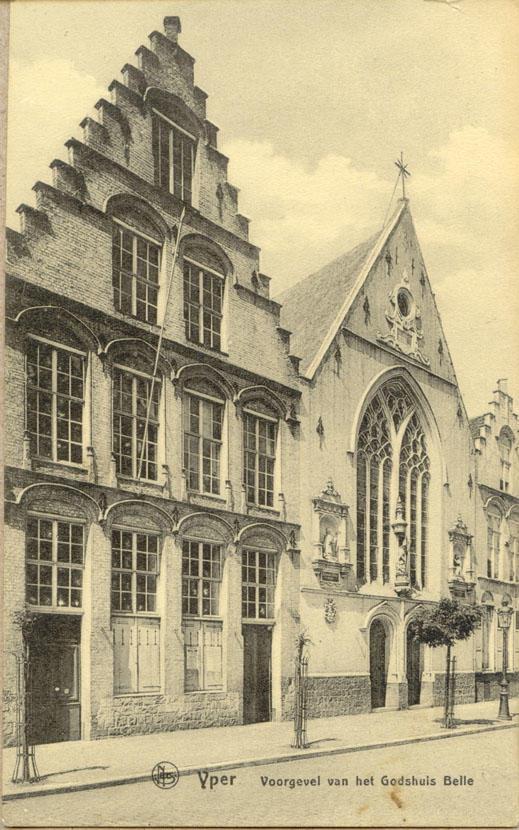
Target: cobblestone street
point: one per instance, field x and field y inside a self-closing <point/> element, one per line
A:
<point x="250" y="801"/>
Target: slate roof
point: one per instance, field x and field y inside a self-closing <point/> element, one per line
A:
<point x="310" y="306"/>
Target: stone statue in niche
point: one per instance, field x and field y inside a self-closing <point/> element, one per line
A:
<point x="401" y="567"/>
<point x="457" y="562"/>
<point x="329" y="545"/>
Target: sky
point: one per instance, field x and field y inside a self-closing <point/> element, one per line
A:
<point x="315" y="101"/>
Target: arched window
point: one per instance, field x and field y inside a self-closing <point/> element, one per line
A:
<point x="505" y="452"/>
<point x="493" y="541"/>
<point x="373" y="493"/>
<point x="413" y="490"/>
<point x="391" y="421"/>
<point x="137" y="409"/>
<point x="55" y="400"/>
<point x="204" y="284"/>
<point x="138" y="234"/>
<point x="135" y="272"/>
<point x="513" y="547"/>
<point x="204" y="409"/>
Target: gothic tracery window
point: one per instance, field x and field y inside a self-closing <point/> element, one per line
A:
<point x="373" y="493"/>
<point x="413" y="489"/>
<point x="391" y="422"/>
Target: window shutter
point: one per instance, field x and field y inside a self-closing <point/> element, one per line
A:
<point x="212" y="655"/>
<point x="192" y="655"/>
<point x="125" y="656"/>
<point x="148" y="644"/>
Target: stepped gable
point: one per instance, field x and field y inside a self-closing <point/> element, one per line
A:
<point x="120" y="134"/>
<point x="310" y="307"/>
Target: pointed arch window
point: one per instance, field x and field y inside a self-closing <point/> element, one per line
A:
<point x="413" y="487"/>
<point x="392" y="462"/>
<point x="494" y="519"/>
<point x="374" y="462"/>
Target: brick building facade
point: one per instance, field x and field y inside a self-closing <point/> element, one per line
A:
<point x="152" y="494"/>
<point x="195" y="473"/>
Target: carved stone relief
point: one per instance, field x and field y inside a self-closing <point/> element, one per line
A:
<point x="404" y="321"/>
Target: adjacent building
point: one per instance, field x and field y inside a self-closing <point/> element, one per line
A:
<point x="196" y="473"/>
<point x="497" y="530"/>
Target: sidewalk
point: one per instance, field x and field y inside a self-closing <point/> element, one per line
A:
<point x="77" y="765"/>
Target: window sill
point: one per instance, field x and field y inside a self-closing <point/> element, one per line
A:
<point x="194" y="618"/>
<point x="207" y="349"/>
<point x="148" y="615"/>
<point x="40" y="463"/>
<point x="150" y="327"/>
<point x="204" y="692"/>
<point x="137" y="483"/>
<point x="196" y="494"/>
<point x="124" y="695"/>
<point x="269" y="621"/>
<point x="264" y="510"/>
<point x="51" y="609"/>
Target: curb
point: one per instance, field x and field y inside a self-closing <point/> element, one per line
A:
<point x="255" y="762"/>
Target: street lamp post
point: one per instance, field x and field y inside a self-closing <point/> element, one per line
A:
<point x="504" y="618"/>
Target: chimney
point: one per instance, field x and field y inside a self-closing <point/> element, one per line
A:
<point x="172" y="28"/>
<point x="502" y="385"/>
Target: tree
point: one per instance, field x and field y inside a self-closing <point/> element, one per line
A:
<point x="443" y="625"/>
<point x="24" y="620"/>
<point x="301" y="668"/>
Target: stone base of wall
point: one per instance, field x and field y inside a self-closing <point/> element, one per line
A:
<point x="288" y="696"/>
<point x="464" y="690"/>
<point x="329" y="696"/>
<point x="142" y="714"/>
<point x="9" y="719"/>
<point x="488" y="688"/>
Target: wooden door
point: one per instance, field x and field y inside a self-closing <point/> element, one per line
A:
<point x="414" y="667"/>
<point x="54" y="680"/>
<point x="257" y="649"/>
<point x="378" y="661"/>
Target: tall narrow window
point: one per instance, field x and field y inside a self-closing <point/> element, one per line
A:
<point x="413" y="472"/>
<point x="486" y="636"/>
<point x="493" y="541"/>
<point x="131" y="398"/>
<point x="258" y="584"/>
<point x="55" y="558"/>
<point x="135" y="274"/>
<point x="201" y="581"/>
<point x="373" y="494"/>
<point x="203" y="304"/>
<point x="425" y="527"/>
<point x="514" y="548"/>
<point x="135" y="626"/>
<point x="201" y="578"/>
<point x="174" y="158"/>
<point x="505" y="451"/>
<point x="134" y="571"/>
<point x="55" y="402"/>
<point x="259" y="459"/>
<point x="203" y="419"/>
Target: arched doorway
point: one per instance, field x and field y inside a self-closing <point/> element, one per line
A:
<point x="414" y="667"/>
<point x="378" y="662"/>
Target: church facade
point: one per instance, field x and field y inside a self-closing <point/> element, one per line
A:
<point x="196" y="473"/>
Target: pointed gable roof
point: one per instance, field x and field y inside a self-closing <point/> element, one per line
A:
<point x="314" y="308"/>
